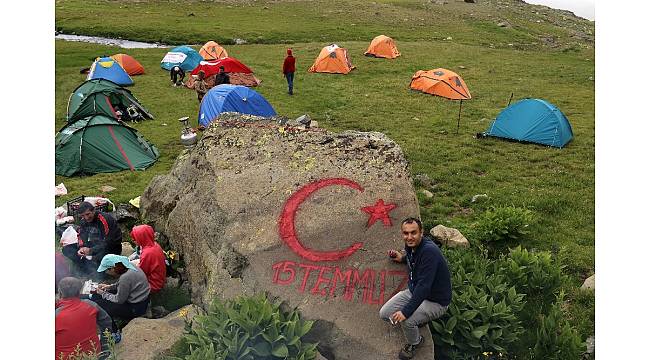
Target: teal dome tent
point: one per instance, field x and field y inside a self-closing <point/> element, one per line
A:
<point x="532" y="120"/>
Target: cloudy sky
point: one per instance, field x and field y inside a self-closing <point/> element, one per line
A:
<point x="582" y="8"/>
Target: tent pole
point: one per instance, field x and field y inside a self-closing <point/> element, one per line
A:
<point x="459" y="109"/>
<point x="511" y="95"/>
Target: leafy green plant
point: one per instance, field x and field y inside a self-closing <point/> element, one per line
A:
<point x="534" y="274"/>
<point x="556" y="338"/>
<point x="482" y="316"/>
<point x="504" y="223"/>
<point x="248" y="328"/>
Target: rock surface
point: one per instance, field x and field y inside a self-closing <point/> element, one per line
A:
<point x="145" y="339"/>
<point x="449" y="237"/>
<point x="127" y="249"/>
<point x="590" y="283"/>
<point x="304" y="215"/>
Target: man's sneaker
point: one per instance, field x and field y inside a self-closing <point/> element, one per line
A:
<point x="408" y="351"/>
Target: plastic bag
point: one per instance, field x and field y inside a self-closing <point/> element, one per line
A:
<point x="60" y="213"/>
<point x="60" y="190"/>
<point x="69" y="236"/>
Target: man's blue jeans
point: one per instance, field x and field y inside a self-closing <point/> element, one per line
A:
<point x="289" y="77"/>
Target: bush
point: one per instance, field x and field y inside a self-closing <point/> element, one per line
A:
<point x="556" y="339"/>
<point x="248" y="328"/>
<point x="482" y="316"/>
<point x="534" y="274"/>
<point x="504" y="223"/>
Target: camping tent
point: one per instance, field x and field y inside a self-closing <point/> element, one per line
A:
<point x="109" y="69"/>
<point x="236" y="98"/>
<point x="532" y="120"/>
<point x="100" y="144"/>
<point x="103" y="97"/>
<point x="183" y="56"/>
<point x="212" y="51"/>
<point x="441" y="82"/>
<point x="383" y="47"/>
<point x="230" y="65"/>
<point x="129" y="64"/>
<point x="332" y="59"/>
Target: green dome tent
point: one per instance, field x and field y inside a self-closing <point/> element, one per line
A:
<point x="100" y="144"/>
<point x="101" y="96"/>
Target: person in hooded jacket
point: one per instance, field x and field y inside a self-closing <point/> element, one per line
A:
<point x="289" y="69"/>
<point x="152" y="257"/>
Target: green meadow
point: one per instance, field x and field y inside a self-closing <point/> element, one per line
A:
<point x="495" y="62"/>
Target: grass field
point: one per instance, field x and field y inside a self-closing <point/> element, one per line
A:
<point x="557" y="184"/>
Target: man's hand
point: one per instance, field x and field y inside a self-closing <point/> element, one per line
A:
<point x="102" y="286"/>
<point x="395" y="255"/>
<point x="398" y="317"/>
<point x="83" y="251"/>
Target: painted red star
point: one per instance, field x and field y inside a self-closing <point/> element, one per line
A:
<point x="379" y="211"/>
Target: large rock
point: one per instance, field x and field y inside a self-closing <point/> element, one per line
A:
<point x="590" y="283"/>
<point x="449" y="237"/>
<point x="304" y="215"/>
<point x="145" y="339"/>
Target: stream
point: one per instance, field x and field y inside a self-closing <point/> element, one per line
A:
<point x="126" y="44"/>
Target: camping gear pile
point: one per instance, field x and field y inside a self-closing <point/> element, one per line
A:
<point x="96" y="138"/>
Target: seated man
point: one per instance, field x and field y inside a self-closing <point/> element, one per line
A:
<point x="429" y="287"/>
<point x="77" y="322"/>
<point x="126" y="299"/>
<point x="99" y="235"/>
<point x="152" y="257"/>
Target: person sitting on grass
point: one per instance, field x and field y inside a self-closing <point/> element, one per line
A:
<point x="152" y="257"/>
<point x="77" y="322"/>
<point x="99" y="235"/>
<point x="126" y="299"/>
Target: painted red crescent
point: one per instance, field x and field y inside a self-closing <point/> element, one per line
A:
<point x="287" y="226"/>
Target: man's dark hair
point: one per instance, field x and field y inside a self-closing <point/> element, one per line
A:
<point x="85" y="206"/>
<point x="411" y="220"/>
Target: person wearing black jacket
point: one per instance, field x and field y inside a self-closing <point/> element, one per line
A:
<point x="222" y="77"/>
<point x="429" y="286"/>
<point x="99" y="234"/>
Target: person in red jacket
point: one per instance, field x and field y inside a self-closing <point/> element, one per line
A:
<point x="77" y="322"/>
<point x="152" y="257"/>
<point x="288" y="69"/>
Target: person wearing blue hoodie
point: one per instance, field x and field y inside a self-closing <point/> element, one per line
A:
<point x="429" y="287"/>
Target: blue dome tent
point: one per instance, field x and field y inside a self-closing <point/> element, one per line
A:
<point x="235" y="98"/>
<point x="532" y="120"/>
<point x="109" y="69"/>
<point x="183" y="56"/>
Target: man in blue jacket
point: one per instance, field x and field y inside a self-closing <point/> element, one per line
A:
<point x="429" y="287"/>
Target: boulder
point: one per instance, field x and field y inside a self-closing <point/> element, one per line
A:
<point x="147" y="339"/>
<point x="590" y="283"/>
<point x="449" y="237"/>
<point x="126" y="213"/>
<point x="127" y="249"/>
<point x="427" y="193"/>
<point x="304" y="215"/>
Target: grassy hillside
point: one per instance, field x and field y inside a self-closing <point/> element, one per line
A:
<point x="552" y="59"/>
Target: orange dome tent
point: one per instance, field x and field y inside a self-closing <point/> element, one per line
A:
<point x="332" y="59"/>
<point x="382" y="47"/>
<point x="129" y="64"/>
<point x="441" y="82"/>
<point x="213" y="51"/>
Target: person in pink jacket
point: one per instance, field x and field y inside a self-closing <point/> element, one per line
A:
<point x="152" y="257"/>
